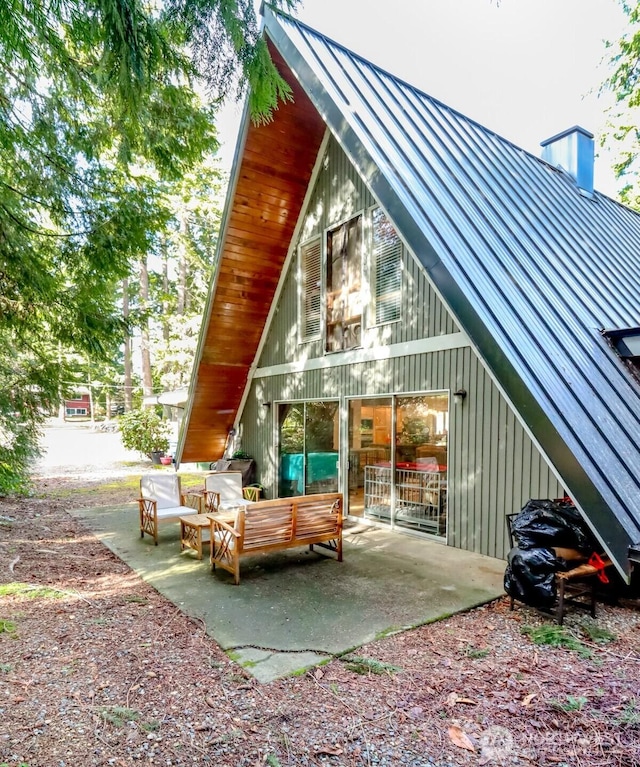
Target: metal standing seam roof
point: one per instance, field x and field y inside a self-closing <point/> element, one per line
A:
<point x="531" y="268"/>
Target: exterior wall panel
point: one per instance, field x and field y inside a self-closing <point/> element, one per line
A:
<point x="423" y="313"/>
<point x="493" y="466"/>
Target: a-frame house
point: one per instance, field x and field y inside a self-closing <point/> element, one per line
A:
<point x="415" y="311"/>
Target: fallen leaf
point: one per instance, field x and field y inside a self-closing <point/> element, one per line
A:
<point x="318" y="673"/>
<point x="453" y="699"/>
<point x="460" y="738"/>
<point x="210" y="702"/>
<point x="329" y="750"/>
<point x="526" y="701"/>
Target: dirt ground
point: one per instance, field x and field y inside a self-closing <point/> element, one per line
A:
<point x="96" y="668"/>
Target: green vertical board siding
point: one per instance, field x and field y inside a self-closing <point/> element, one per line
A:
<point x="493" y="466"/>
<point x="338" y="194"/>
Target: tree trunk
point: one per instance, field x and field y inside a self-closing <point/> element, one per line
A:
<point x="128" y="378"/>
<point x="183" y="297"/>
<point x="165" y="300"/>
<point x="147" y="381"/>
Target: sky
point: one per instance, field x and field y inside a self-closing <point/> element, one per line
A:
<point x="527" y="69"/>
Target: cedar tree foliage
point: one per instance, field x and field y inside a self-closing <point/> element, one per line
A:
<point x="99" y="111"/>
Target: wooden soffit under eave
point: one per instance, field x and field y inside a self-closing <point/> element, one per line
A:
<point x="275" y="169"/>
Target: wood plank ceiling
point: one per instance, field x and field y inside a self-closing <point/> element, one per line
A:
<point x="275" y="169"/>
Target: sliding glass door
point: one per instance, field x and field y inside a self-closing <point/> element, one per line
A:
<point x="370" y="435"/>
<point x="308" y="438"/>
<point x="398" y="461"/>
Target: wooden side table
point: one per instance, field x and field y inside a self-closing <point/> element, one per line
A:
<point x="191" y="530"/>
<point x="194" y="526"/>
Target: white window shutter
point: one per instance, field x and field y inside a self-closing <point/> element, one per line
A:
<point x="310" y="304"/>
<point x="386" y="268"/>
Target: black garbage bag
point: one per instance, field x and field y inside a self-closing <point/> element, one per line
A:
<point x="530" y="575"/>
<point x="545" y="523"/>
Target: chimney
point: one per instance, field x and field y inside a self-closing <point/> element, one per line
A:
<point x="572" y="150"/>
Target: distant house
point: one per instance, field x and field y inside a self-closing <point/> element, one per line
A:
<point x="79" y="407"/>
<point x="415" y="311"/>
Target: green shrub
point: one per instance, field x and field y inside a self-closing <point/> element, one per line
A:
<point x="556" y="636"/>
<point x="145" y="431"/>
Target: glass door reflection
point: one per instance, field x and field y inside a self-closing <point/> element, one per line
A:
<point x="309" y="436"/>
<point x="370" y="438"/>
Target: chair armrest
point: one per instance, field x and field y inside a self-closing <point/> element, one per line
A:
<point x="211" y="501"/>
<point x="251" y="493"/>
<point x="194" y="499"/>
<point x="148" y="505"/>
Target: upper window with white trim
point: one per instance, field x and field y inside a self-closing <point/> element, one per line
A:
<point x="335" y="284"/>
<point x="386" y="269"/>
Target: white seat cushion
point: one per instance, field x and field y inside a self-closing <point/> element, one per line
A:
<point x="175" y="511"/>
<point x="233" y="503"/>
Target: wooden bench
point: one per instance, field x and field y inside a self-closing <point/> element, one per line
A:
<point x="274" y="525"/>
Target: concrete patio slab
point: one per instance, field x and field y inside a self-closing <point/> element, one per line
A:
<point x="296" y="608"/>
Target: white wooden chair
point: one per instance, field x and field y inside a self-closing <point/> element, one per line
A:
<point x="161" y="500"/>
<point x="223" y="491"/>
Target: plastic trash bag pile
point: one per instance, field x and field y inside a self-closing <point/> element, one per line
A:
<point x="541" y="529"/>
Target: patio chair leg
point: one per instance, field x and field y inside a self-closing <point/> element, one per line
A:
<point x="561" y="608"/>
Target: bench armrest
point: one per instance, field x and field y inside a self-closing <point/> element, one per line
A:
<point x="223" y="527"/>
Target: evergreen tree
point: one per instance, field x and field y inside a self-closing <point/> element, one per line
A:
<point x="98" y="112"/>
<point x="624" y="82"/>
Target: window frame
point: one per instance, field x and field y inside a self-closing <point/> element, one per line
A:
<point x="71" y="411"/>
<point x="329" y="230"/>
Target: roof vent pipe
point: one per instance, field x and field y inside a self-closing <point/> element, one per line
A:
<point x="573" y="151"/>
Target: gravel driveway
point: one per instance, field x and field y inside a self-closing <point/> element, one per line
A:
<point x="82" y="449"/>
